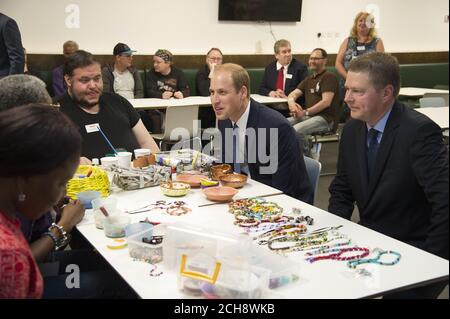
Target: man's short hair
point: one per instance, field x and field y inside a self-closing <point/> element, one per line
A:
<point x="279" y="44"/>
<point x="70" y="46"/>
<point x="239" y="75"/>
<point x="383" y="69"/>
<point x="322" y="51"/>
<point x="78" y="59"/>
<point x="22" y="89"/>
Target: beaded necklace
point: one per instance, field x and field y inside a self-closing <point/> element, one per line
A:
<point x="376" y="260"/>
<point x="337" y="254"/>
<point x="299" y="241"/>
<point x="323" y="248"/>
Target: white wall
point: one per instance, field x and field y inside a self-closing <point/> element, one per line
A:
<point x="192" y="26"/>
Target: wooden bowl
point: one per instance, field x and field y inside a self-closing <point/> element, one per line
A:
<point x="220" y="193"/>
<point x="175" y="189"/>
<point x="218" y="170"/>
<point x="233" y="180"/>
<point x="192" y="179"/>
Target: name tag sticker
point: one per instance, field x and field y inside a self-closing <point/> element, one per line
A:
<point x="361" y="48"/>
<point x="288" y="76"/>
<point x="92" y="128"/>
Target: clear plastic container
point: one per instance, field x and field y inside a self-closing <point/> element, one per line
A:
<point x="284" y="271"/>
<point x="213" y="264"/>
<point x="110" y="204"/>
<point x="141" y="248"/>
<point x="114" y="225"/>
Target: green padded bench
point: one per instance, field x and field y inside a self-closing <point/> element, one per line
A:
<point x="424" y="75"/>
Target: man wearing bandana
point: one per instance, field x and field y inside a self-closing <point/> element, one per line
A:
<point x="165" y="81"/>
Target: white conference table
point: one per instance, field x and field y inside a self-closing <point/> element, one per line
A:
<point x="418" y="92"/>
<point x="323" y="279"/>
<point x="437" y="114"/>
<point x="151" y="103"/>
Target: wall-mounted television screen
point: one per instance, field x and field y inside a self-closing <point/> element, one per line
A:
<point x="260" y="10"/>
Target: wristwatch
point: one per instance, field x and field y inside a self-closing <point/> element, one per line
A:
<point x="306" y="113"/>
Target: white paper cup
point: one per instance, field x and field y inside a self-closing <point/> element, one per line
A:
<point x="124" y="159"/>
<point x="141" y="152"/>
<point x="109" y="161"/>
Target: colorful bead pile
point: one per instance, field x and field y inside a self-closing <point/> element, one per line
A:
<point x="252" y="211"/>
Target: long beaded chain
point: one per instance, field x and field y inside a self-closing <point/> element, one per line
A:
<point x="323" y="248"/>
<point x="337" y="254"/>
<point x="376" y="260"/>
<point x="284" y="230"/>
<point x="299" y="242"/>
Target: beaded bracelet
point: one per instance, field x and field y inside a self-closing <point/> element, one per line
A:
<point x="339" y="252"/>
<point x="354" y="263"/>
<point x="53" y="238"/>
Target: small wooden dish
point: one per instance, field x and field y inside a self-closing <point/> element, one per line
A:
<point x="218" y="170"/>
<point x="193" y="180"/>
<point x="220" y="193"/>
<point x="233" y="180"/>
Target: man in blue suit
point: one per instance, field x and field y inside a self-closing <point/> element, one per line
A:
<point x="392" y="163"/>
<point x="282" y="76"/>
<point x="257" y="140"/>
<point x="12" y="57"/>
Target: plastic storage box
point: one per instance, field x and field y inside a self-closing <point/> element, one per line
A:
<point x="213" y="264"/>
<point x="140" y="248"/>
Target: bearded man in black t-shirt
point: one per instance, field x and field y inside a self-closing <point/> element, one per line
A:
<point x="96" y="112"/>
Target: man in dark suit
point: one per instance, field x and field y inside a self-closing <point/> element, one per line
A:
<point x="256" y="139"/>
<point x="12" y="57"/>
<point x="283" y="76"/>
<point x="392" y="163"/>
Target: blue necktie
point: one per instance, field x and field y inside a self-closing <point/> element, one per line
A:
<point x="236" y="164"/>
<point x="372" y="150"/>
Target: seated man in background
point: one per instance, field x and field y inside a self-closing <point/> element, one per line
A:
<point x="263" y="142"/>
<point x="59" y="86"/>
<point x="321" y="91"/>
<point x="120" y="77"/>
<point x="392" y="163"/>
<point x="203" y="80"/>
<point x="282" y="76"/>
<point x="164" y="80"/>
<point x="91" y="109"/>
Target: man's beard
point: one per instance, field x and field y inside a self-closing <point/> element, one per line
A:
<point x="84" y="103"/>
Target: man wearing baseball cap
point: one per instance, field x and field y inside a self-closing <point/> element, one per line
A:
<point x="120" y="77"/>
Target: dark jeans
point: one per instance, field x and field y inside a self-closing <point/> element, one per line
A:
<point x="96" y="278"/>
